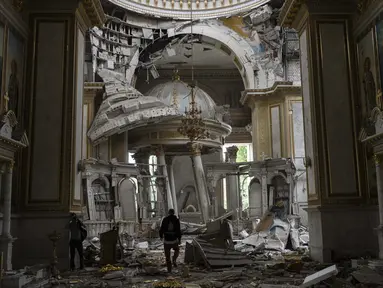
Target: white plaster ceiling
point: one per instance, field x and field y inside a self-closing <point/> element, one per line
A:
<point x="204" y="56"/>
<point x="180" y="9"/>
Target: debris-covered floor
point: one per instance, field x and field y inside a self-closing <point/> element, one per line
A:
<point x="271" y="253"/>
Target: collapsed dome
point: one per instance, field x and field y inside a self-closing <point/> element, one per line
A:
<point x="178" y="93"/>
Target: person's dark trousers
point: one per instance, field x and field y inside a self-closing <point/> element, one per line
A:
<point x="168" y="248"/>
<point x="76" y="245"/>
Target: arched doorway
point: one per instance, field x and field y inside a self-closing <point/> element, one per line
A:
<point x="255" y="198"/>
<point x="127" y="190"/>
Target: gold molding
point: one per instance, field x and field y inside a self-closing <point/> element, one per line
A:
<point x="289" y="12"/>
<point x="18" y="5"/>
<point x="195" y="148"/>
<point x="91" y="86"/>
<point x="94" y="11"/>
<point x="363" y="5"/>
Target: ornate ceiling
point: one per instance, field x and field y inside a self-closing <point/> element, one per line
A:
<point x="180" y="9"/>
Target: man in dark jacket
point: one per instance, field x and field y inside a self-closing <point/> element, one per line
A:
<point x="75" y="227"/>
<point x="171" y="233"/>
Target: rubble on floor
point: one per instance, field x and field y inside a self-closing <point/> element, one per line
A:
<point x="273" y="254"/>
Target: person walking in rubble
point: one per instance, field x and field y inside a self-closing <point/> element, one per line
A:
<point x="77" y="236"/>
<point x="170" y="233"/>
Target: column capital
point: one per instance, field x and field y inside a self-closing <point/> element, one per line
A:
<point x="377" y="160"/>
<point x="195" y="148"/>
<point x="10" y="166"/>
<point x="157" y="150"/>
<point x="142" y="155"/>
<point x="232" y="153"/>
<point x="169" y="159"/>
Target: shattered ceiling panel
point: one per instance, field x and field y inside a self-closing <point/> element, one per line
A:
<point x="125" y="108"/>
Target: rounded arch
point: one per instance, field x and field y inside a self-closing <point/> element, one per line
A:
<point x="221" y="37"/>
<point x="279" y="174"/>
<point x="255" y="197"/>
<point x="127" y="190"/>
<point x="215" y="34"/>
<point x="256" y="179"/>
<point x="184" y="194"/>
<point x="106" y="182"/>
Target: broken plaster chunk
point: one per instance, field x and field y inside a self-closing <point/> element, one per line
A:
<point x="320" y="276"/>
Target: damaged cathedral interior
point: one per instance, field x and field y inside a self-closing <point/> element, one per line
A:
<point x="257" y="123"/>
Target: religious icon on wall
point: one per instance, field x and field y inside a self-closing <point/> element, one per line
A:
<point x="14" y="70"/>
<point x="368" y="83"/>
<point x="367" y="74"/>
<point x="1" y="53"/>
<point x="379" y="39"/>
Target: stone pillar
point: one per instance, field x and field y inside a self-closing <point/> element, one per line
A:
<point x="335" y="168"/>
<point x="169" y="163"/>
<point x="6" y="237"/>
<point x="379" y="183"/>
<point x="162" y="163"/>
<point x="200" y="181"/>
<point x="212" y="185"/>
<point x="142" y="160"/>
<point x="290" y="178"/>
<point x="265" y="204"/>
<point x="52" y="182"/>
<point x="232" y="181"/>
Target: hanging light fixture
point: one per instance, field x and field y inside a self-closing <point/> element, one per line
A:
<point x="193" y="125"/>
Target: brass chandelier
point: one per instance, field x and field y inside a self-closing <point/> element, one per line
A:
<point x="193" y="125"/>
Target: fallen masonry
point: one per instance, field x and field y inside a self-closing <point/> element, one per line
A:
<point x="266" y="256"/>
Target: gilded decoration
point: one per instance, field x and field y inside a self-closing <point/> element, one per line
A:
<point x="195" y="148"/>
<point x="363" y="5"/>
<point x="169" y="135"/>
<point x="289" y="12"/>
<point x="18" y="5"/>
<point x="95" y="12"/>
<point x="377" y="159"/>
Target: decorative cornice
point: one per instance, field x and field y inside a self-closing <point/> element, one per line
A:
<point x="230" y="74"/>
<point x="95" y="12"/>
<point x="91" y="86"/>
<point x="206" y="9"/>
<point x="18" y="5"/>
<point x="289" y="11"/>
<point x="239" y="130"/>
<point x="364" y="4"/>
<point x="278" y="87"/>
<point x="195" y="148"/>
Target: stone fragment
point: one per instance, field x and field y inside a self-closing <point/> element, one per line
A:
<point x="320" y="276"/>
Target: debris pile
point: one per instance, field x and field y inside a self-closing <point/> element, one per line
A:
<point x="274" y="234"/>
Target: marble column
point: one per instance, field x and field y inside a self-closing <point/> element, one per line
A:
<point x="162" y="163"/>
<point x="379" y="183"/>
<point x="265" y="204"/>
<point x="334" y="159"/>
<point x="290" y="179"/>
<point x="232" y="184"/>
<point x="200" y="181"/>
<point x="169" y="162"/>
<point x="212" y="186"/>
<point x="6" y="237"/>
<point x="142" y="160"/>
